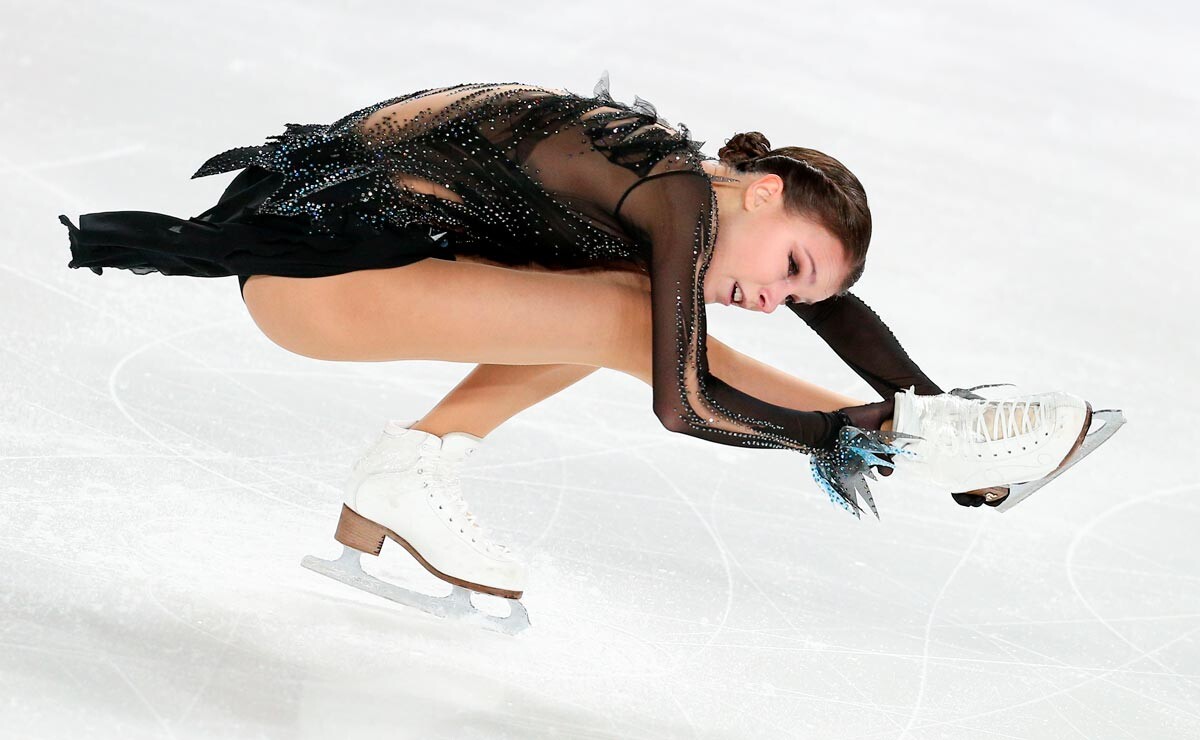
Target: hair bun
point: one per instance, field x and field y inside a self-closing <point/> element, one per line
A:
<point x="744" y="146"/>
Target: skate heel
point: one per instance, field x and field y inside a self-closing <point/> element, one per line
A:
<point x="358" y="532"/>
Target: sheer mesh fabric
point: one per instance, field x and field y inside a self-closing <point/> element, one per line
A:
<point x="524" y="174"/>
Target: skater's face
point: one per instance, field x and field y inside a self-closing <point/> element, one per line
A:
<point x="769" y="254"/>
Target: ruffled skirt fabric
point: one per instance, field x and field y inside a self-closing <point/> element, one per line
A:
<point x="234" y="238"/>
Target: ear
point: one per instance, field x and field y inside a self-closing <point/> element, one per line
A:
<point x="762" y="190"/>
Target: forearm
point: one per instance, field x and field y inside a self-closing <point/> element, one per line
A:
<point x="775" y="386"/>
<point x="771" y="384"/>
<point x="865" y="343"/>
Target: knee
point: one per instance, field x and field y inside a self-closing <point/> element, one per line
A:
<point x="297" y="339"/>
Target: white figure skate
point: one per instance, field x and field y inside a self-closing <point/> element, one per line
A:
<point x="406" y="487"/>
<point x="1003" y="448"/>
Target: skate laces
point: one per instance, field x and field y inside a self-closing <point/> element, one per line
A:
<point x="1006" y="422"/>
<point x="447" y="475"/>
<point x="960" y="422"/>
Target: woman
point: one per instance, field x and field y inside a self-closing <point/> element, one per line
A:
<point x="568" y="233"/>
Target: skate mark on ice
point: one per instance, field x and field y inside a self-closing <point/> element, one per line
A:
<point x="1100" y="674"/>
<point x="1052" y="662"/>
<point x="224" y="406"/>
<point x="916" y="709"/>
<point x="558" y="502"/>
<point x="868" y="702"/>
<point x="140" y="696"/>
<point x="101" y="311"/>
<point x="47" y="370"/>
<point x="49" y="164"/>
<point x="639" y="454"/>
<point x="116" y="399"/>
<point x="712" y="533"/>
<point x="1152" y="618"/>
<point x="217" y="666"/>
<point x="196" y="362"/>
<point x="9" y="166"/>
<point x="1068" y="563"/>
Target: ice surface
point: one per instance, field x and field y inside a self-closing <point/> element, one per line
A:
<point x="164" y="466"/>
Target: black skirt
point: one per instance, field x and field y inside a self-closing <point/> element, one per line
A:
<point x="231" y="238"/>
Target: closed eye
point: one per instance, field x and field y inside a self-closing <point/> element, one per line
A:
<point x="793" y="270"/>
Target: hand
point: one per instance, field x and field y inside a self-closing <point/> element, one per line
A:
<point x="842" y="468"/>
<point x="873" y="416"/>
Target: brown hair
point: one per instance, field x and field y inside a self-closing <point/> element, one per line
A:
<point x="816" y="186"/>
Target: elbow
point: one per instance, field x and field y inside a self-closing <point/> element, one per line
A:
<point x="671" y="420"/>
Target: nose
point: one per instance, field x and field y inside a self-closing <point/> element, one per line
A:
<point x="768" y="299"/>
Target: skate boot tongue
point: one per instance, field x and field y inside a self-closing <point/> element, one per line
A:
<point x="398" y="426"/>
<point x="456" y="446"/>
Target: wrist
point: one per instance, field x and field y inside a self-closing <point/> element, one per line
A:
<point x="841" y="419"/>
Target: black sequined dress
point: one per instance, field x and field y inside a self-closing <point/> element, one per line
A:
<point x="522" y="175"/>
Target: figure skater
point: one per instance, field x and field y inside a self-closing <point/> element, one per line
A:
<point x="544" y="234"/>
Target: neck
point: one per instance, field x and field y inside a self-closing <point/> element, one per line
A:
<point x="716" y="167"/>
<point x="727" y="192"/>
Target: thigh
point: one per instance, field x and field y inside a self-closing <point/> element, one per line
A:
<point x="631" y="276"/>
<point x="457" y="311"/>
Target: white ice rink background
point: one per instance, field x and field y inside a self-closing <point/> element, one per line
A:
<point x="1032" y="170"/>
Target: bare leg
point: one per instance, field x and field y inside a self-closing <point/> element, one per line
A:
<point x="492" y="394"/>
<point x="540" y="327"/>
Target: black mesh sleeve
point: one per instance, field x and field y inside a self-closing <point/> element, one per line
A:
<point x="865" y="343"/>
<point x="676" y="212"/>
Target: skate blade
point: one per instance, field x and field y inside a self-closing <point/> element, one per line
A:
<point x="1113" y="420"/>
<point x="456" y="604"/>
